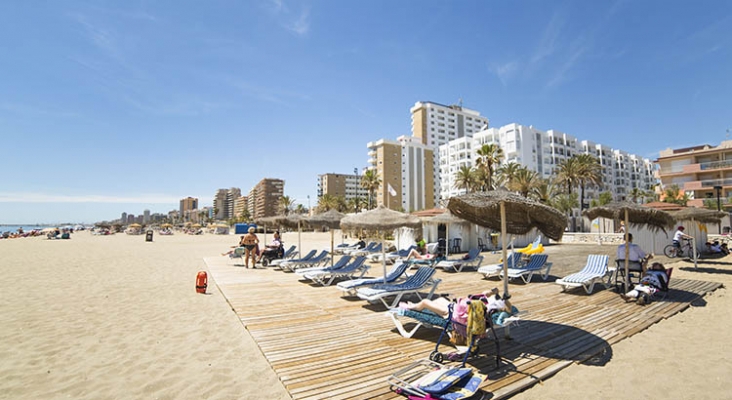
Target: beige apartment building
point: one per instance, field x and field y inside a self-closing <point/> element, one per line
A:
<point x="341" y="185"/>
<point x="702" y="171"/>
<point x="264" y="198"/>
<point x="407" y="166"/>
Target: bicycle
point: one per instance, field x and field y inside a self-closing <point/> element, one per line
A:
<point x="672" y="251"/>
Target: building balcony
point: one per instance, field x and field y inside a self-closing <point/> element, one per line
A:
<point x="715" y="165"/>
<point x="707" y="184"/>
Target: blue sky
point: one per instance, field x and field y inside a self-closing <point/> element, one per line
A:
<point x="109" y="106"/>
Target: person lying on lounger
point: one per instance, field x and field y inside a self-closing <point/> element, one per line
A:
<point x="230" y="252"/>
<point x="439" y="306"/>
<point x="653" y="280"/>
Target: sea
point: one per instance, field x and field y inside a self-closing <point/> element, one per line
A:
<point x="26" y="228"/>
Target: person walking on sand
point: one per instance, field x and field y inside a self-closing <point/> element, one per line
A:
<point x="250" y="242"/>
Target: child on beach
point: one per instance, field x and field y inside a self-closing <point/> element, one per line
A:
<point x="654" y="279"/>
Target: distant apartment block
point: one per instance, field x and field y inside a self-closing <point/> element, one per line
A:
<point x="408" y="166"/>
<point x="146" y="216"/>
<point x="341" y="185"/>
<point x="187" y="204"/>
<point x="436" y="124"/>
<point x="543" y="152"/>
<point x="264" y="198"/>
<point x="224" y="203"/>
<point x="698" y="171"/>
<point x="240" y="205"/>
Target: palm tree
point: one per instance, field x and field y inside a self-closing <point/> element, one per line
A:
<point x="590" y="172"/>
<point x="507" y="172"/>
<point x="489" y="155"/>
<point x="544" y="191"/>
<point x="465" y="179"/>
<point x="356" y="204"/>
<point x="524" y="181"/>
<point x="370" y="181"/>
<point x="327" y="202"/>
<point x="565" y="202"/>
<point x="285" y="204"/>
<point x="635" y="194"/>
<point x="567" y="173"/>
<point x="673" y="195"/>
<point x="341" y="204"/>
<point x="300" y="209"/>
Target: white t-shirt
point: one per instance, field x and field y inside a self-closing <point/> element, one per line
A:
<point x="678" y="235"/>
<point x="635" y="253"/>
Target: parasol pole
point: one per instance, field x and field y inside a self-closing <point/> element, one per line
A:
<point x="505" y="251"/>
<point x="299" y="243"/>
<point x="447" y="240"/>
<point x="693" y="244"/>
<point x="331" y="247"/>
<point x="383" y="253"/>
<point x="627" y="252"/>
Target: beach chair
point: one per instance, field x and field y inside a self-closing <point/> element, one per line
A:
<point x="289" y="255"/>
<point x="393" y="256"/>
<point x="635" y="270"/>
<point x="472" y="260"/>
<point x="514" y="261"/>
<point x="354" y="270"/>
<point x="532" y="247"/>
<point x="281" y="264"/>
<point x="594" y="271"/>
<point x="315" y="261"/>
<point x="342" y="262"/>
<point x="396" y="273"/>
<point x="366" y="250"/>
<point x="239" y="253"/>
<point x="662" y="292"/>
<point x="536" y="264"/>
<point x="422" y="279"/>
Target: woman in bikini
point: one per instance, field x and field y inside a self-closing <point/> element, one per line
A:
<point x="250" y="242"/>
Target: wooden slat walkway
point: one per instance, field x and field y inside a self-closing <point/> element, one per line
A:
<point x="322" y="345"/>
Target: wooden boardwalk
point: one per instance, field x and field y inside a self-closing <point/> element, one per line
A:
<point x="323" y="345"/>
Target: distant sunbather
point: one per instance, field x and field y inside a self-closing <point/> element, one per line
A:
<point x="654" y="279"/>
<point x="230" y="252"/>
<point x="416" y="255"/>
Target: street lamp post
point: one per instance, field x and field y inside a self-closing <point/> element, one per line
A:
<point x="719" y="206"/>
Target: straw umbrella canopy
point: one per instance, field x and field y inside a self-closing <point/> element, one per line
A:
<point x="635" y="214"/>
<point x="702" y="215"/>
<point x="330" y="219"/>
<point x="294" y="221"/>
<point x="135" y="226"/>
<point x="382" y="220"/>
<point x="269" y="221"/>
<point x="446" y="218"/>
<point x="166" y="226"/>
<point x="509" y="213"/>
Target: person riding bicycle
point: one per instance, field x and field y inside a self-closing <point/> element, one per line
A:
<point x="678" y="236"/>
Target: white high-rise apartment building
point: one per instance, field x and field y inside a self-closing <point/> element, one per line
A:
<point x="542" y="152"/>
<point x="436" y="124"/>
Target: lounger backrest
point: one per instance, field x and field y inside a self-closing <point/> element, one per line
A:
<point x="596" y="264"/>
<point x="309" y="255"/>
<point x="396" y="272"/>
<point x="416" y="281"/>
<point x="354" y="265"/>
<point x="320" y="256"/>
<point x="376" y="249"/>
<point x="513" y="260"/>
<point x="537" y="261"/>
<point x="289" y="251"/>
<point x="472" y="253"/>
<point x="341" y="263"/>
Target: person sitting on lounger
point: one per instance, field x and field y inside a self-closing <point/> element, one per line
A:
<point x="230" y="252"/>
<point x="654" y="279"/>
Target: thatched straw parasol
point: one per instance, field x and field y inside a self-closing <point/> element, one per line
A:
<point x="509" y="213"/>
<point x="293" y="221"/>
<point x="635" y="214"/>
<point x="446" y="218"/>
<point x="380" y="219"/>
<point x="330" y="219"/>
<point x="703" y="215"/>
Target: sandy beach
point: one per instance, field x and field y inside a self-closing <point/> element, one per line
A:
<point x="115" y="317"/>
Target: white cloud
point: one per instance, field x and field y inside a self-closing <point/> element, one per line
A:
<point x="505" y="71"/>
<point x="61" y="198"/>
<point x="301" y="25"/>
